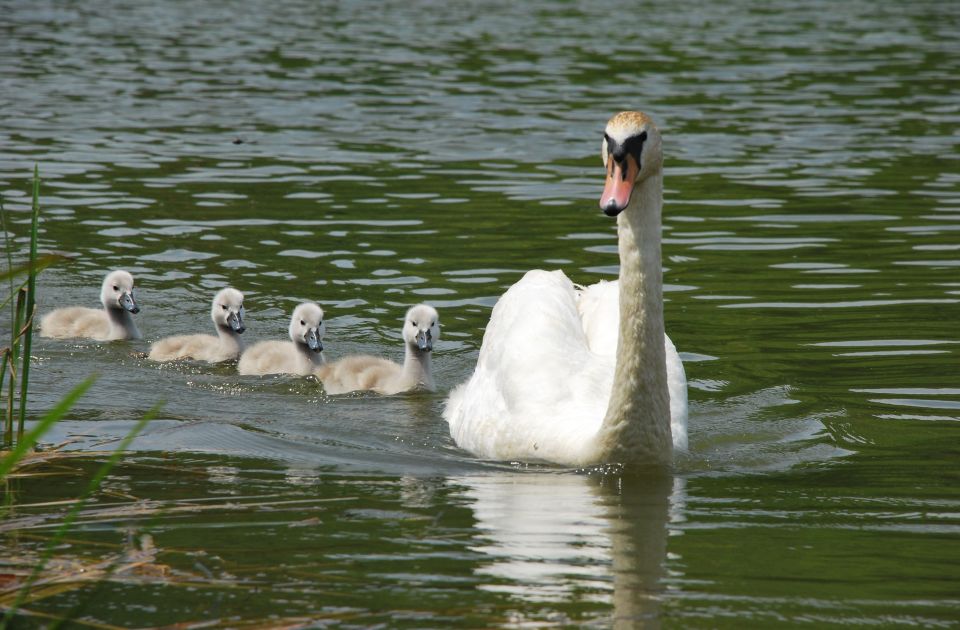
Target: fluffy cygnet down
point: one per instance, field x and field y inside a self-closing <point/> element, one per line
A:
<point x="115" y="321"/>
<point x="301" y="355"/>
<point x="227" y="315"/>
<point x="421" y="328"/>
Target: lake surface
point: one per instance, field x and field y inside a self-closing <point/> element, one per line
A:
<point x="370" y="157"/>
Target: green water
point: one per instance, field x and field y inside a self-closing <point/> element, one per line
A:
<point x="371" y="157"/>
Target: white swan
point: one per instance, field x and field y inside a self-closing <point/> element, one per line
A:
<point x="227" y="315"/>
<point x="301" y="355"/>
<point x="585" y="376"/>
<point x="113" y="322"/>
<point x="421" y="328"/>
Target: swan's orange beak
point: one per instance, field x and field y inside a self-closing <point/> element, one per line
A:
<point x="619" y="186"/>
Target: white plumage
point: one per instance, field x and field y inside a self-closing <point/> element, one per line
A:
<point x="301" y="355"/>
<point x="113" y="322"/>
<point x="585" y="376"/>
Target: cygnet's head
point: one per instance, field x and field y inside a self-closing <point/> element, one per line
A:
<point x="117" y="292"/>
<point x="631" y="152"/>
<point x="421" y="327"/>
<point x="307" y="326"/>
<point x="227" y="310"/>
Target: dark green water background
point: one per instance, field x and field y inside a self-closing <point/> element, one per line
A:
<point x="373" y="155"/>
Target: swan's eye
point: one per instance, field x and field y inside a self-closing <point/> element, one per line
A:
<point x="303" y="323"/>
<point x="223" y="306"/>
<point x="414" y="323"/>
<point x="116" y="288"/>
<point x="432" y="324"/>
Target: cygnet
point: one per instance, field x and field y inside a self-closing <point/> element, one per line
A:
<point x="421" y="328"/>
<point x="301" y="355"/>
<point x="115" y="321"/>
<point x="227" y="314"/>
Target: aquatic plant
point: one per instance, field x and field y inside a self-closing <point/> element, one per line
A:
<point x="17" y="446"/>
<point x="22" y="302"/>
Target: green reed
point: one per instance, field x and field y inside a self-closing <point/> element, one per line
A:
<point x="15" y="357"/>
<point x="21" y="319"/>
<point x="16" y="445"/>
<point x="80" y="504"/>
<point x="22" y="280"/>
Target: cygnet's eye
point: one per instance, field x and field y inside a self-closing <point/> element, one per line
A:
<point x="303" y="323"/>
<point x="432" y="324"/>
<point x="414" y="323"/>
<point x="116" y="288"/>
<point x="223" y="306"/>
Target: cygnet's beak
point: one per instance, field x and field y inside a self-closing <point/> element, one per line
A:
<point x="313" y="340"/>
<point x="128" y="303"/>
<point x="619" y="185"/>
<point x="236" y="322"/>
<point x="425" y="340"/>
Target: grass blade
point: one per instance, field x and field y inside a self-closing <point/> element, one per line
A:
<point x="14" y="355"/>
<point x="31" y="301"/>
<point x="33" y="436"/>
<point x="7" y="430"/>
<point x="42" y="263"/>
<point x="71" y="516"/>
<point x="5" y="353"/>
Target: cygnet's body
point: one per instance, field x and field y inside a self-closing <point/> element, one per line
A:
<point x="301" y="355"/>
<point x="227" y="315"/>
<point x="115" y="321"/>
<point x="361" y="372"/>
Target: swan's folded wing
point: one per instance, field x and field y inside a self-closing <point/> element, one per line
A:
<point x="200" y="347"/>
<point x="75" y="322"/>
<point x="535" y="375"/>
<point x="599" y="309"/>
<point x="677" y="384"/>
<point x="268" y="357"/>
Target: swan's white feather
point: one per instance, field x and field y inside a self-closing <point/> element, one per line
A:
<point x="199" y="347"/>
<point x="274" y="357"/>
<point x="362" y="373"/>
<point x="537" y="386"/>
<point x="76" y="322"/>
<point x="545" y="372"/>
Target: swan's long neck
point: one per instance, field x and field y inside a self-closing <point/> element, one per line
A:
<point x="636" y="428"/>
<point x="416" y="367"/>
<point x="231" y="344"/>
<point x="122" y="325"/>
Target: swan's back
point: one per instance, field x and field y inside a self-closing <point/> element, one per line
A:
<point x="599" y="308"/>
<point x="545" y="373"/>
<point x="360" y="373"/>
<point x="76" y="322"/>
<point x="537" y="386"/>
<point x="199" y="347"/>
<point x="274" y="357"/>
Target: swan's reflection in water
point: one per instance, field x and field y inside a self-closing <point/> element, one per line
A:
<point x="553" y="537"/>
